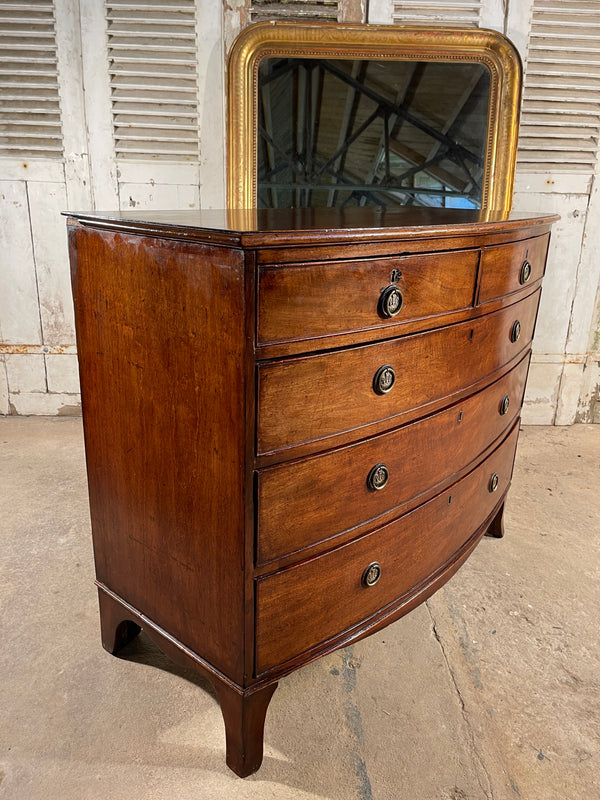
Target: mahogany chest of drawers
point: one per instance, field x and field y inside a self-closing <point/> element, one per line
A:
<point x="298" y="424"/>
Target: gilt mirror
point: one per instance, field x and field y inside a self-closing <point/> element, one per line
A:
<point x="338" y="115"/>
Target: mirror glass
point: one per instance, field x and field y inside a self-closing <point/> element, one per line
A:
<point x="348" y="132"/>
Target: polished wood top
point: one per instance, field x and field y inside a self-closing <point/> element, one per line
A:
<point x="259" y="227"/>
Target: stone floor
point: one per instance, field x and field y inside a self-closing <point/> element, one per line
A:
<point x="490" y="690"/>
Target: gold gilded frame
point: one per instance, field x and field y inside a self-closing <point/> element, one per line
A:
<point x="341" y="41"/>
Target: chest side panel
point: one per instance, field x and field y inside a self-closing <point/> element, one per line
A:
<point x="160" y="329"/>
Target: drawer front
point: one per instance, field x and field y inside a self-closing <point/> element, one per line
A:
<point x="303" y="606"/>
<point x="507" y="268"/>
<point x="310" y="398"/>
<point x="298" y="302"/>
<point x="314" y="499"/>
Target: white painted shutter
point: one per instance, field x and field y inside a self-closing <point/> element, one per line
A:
<point x="153" y="78"/>
<point x="30" y="125"/>
<point x="436" y="12"/>
<point x="325" y="10"/>
<point x="560" y="120"/>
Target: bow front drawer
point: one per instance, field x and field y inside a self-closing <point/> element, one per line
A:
<point x="303" y="606"/>
<point x="314" y="499"/>
<point x="506" y="268"/>
<point x="320" y="299"/>
<point x="311" y="398"/>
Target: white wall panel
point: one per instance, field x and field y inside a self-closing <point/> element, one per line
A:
<point x="25" y="373"/>
<point x="19" y="311"/>
<point x="62" y="373"/>
<point x="4" y="401"/>
<point x="158" y="196"/>
<point x="46" y="201"/>
<point x="559" y="283"/>
<point x="541" y="396"/>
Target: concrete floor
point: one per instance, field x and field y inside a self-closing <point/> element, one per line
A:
<point x="490" y="690"/>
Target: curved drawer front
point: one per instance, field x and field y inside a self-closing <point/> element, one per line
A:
<point x="507" y="268"/>
<point x="318" y="497"/>
<point x="313" y="397"/>
<point x="298" y="302"/>
<point x="305" y="605"/>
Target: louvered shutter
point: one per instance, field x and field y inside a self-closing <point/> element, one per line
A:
<point x="434" y="12"/>
<point x="153" y="78"/>
<point x="325" y="10"/>
<point x="560" y="118"/>
<point x="30" y="125"/>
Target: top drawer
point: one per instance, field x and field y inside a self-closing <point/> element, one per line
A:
<point x="321" y="299"/>
<point x="506" y="268"/>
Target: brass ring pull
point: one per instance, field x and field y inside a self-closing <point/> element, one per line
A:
<point x="384" y="379"/>
<point x="494" y="480"/>
<point x="371" y="574"/>
<point x="378" y="477"/>
<point x="504" y="404"/>
<point x="515" y="332"/>
<point x="390" y="302"/>
<point x="525" y="272"/>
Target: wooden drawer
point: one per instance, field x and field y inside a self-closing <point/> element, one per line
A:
<point x="313" y="397"/>
<point x="504" y="267"/>
<point x="305" y="605"/>
<point x="304" y="502"/>
<point x="304" y="301"/>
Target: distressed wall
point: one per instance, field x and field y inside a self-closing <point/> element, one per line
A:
<point x="153" y="142"/>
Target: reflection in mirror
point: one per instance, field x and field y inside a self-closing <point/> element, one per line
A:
<point x="344" y="132"/>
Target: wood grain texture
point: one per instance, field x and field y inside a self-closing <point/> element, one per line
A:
<point x="166" y="474"/>
<point x="320" y="497"/>
<point x="231" y="517"/>
<point x="312" y="300"/>
<point x="501" y="266"/>
<point x="306" y="604"/>
<point x="312" y="398"/>
<point x="295" y="227"/>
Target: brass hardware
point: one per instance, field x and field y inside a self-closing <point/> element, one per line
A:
<point x="384" y="379"/>
<point x="515" y="332"/>
<point x="395" y="276"/>
<point x="371" y="575"/>
<point x="494" y="482"/>
<point x="525" y="272"/>
<point x="390" y="302"/>
<point x="378" y="477"/>
<point x="504" y="404"/>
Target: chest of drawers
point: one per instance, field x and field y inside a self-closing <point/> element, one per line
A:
<point x="298" y="424"/>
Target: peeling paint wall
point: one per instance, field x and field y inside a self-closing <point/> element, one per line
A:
<point x="38" y="362"/>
